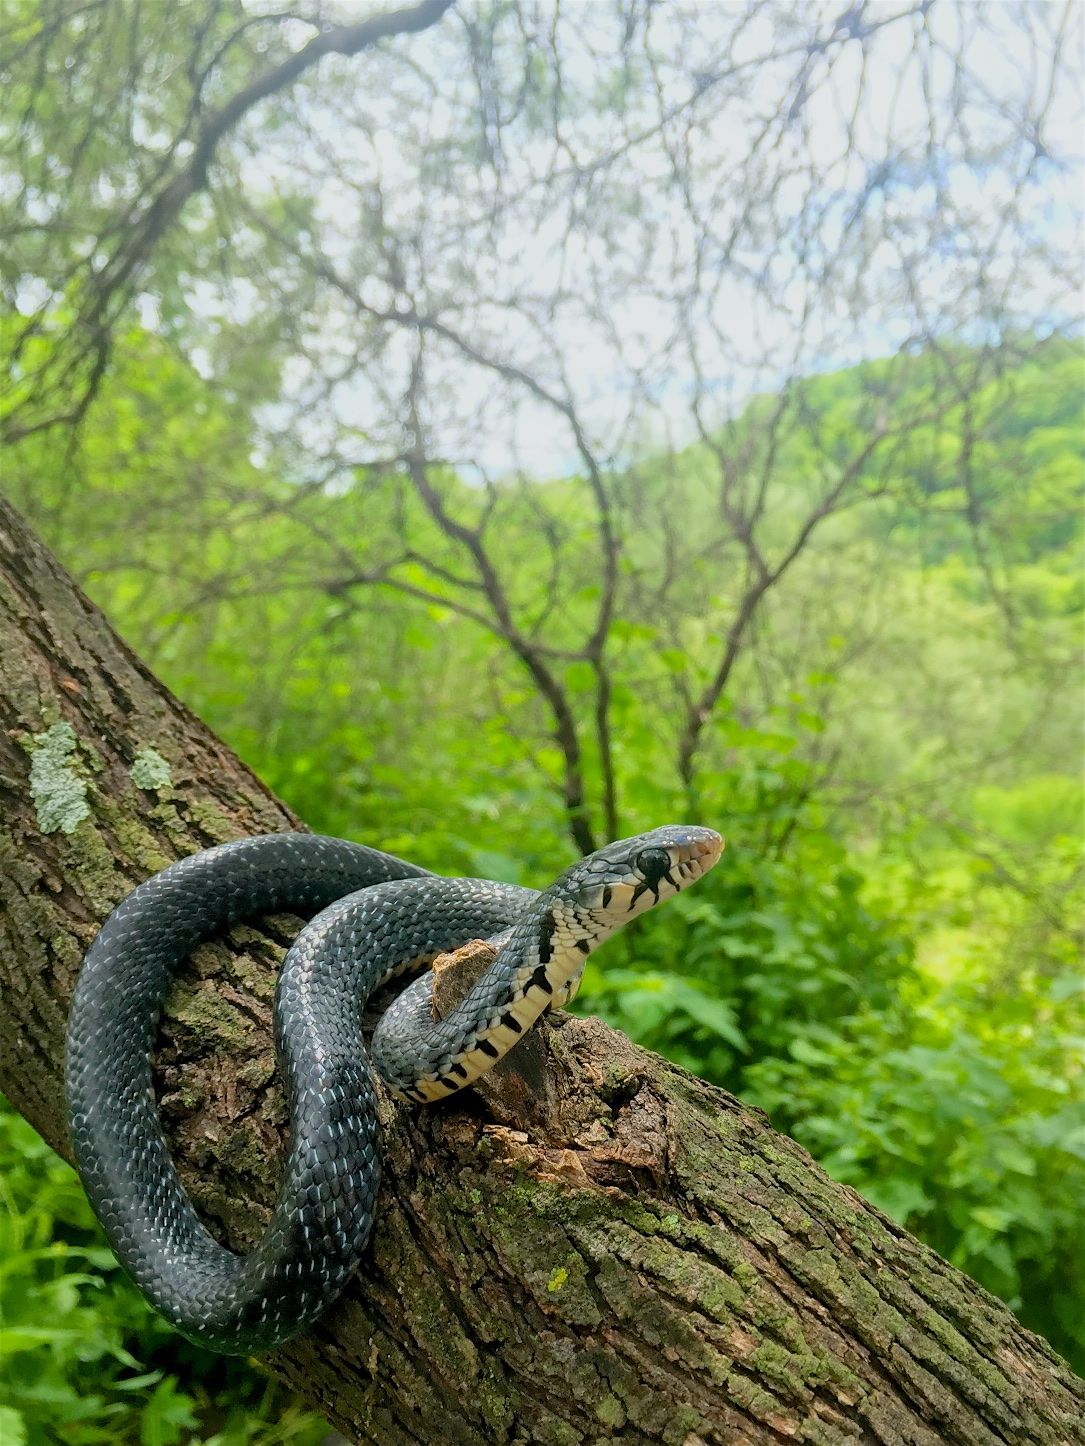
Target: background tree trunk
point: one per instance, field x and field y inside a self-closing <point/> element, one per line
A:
<point x="601" y="1249"/>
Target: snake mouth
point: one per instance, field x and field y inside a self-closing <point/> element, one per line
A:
<point x="690" y="862"/>
<point x="703" y="851"/>
<point x="692" y="852"/>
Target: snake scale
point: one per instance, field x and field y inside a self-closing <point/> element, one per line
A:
<point x="373" y="916"/>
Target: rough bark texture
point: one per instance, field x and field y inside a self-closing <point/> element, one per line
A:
<point x="596" y="1247"/>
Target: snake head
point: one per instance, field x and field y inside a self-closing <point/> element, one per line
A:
<point x="625" y="878"/>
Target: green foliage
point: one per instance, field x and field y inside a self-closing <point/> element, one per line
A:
<point x="964" y="1122"/>
<point x="83" y="1358"/>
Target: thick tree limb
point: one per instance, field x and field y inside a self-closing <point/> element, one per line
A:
<point x="599" y="1248"/>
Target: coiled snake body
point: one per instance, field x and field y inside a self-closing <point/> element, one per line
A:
<point x="375" y="916"/>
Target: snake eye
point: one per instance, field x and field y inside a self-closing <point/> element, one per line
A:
<point x="653" y="865"/>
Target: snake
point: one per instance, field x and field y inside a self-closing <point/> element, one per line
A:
<point x="372" y="916"/>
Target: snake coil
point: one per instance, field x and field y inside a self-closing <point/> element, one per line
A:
<point x="373" y="916"/>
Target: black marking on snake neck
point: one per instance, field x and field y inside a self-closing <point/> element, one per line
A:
<point x="644" y="887"/>
<point x="546" y="938"/>
<point x="540" y="981"/>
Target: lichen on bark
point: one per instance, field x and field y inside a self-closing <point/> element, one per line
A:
<point x="150" y="770"/>
<point x="58" y="791"/>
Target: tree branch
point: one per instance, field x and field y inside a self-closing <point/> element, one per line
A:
<point x="595" y="645"/>
<point x="142" y="232"/>
<point x="566" y="734"/>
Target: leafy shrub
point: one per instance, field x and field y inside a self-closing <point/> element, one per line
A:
<point x="83" y="1358"/>
<point x="964" y="1126"/>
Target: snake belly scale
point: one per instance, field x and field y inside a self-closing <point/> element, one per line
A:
<point x="372" y="916"/>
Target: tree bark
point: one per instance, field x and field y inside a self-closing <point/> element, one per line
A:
<point x="596" y="1247"/>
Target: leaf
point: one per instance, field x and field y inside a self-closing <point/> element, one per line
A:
<point x="166" y="1415"/>
<point x="490" y="864"/>
<point x="712" y="1014"/>
<point x="1067" y="986"/>
<point x="674" y="660"/>
<point x="991" y="1218"/>
<point x="139" y="1383"/>
<point x="807" y="1053"/>
<point x="14" y="1339"/>
<point x="579" y="677"/>
<point x="12" y="1427"/>
<point x="899" y="1196"/>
